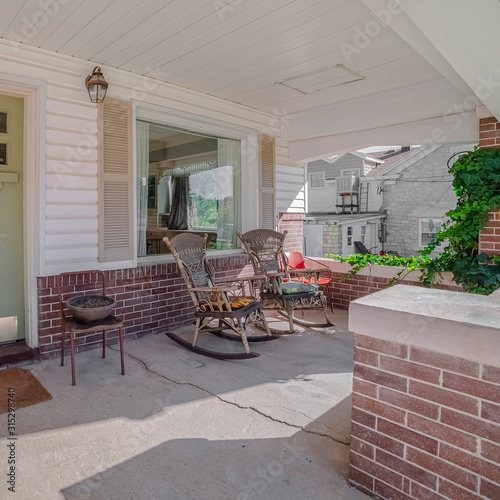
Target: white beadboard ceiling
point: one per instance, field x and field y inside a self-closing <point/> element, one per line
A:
<point x="232" y="49"/>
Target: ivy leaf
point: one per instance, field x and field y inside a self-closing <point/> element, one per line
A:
<point x="490" y="281"/>
<point x="483" y="257"/>
<point x="492" y="163"/>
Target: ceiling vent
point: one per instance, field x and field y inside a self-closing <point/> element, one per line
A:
<point x="322" y="79"/>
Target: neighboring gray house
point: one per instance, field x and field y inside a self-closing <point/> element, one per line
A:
<point x="417" y="192"/>
<point x="408" y="192"/>
<point x="326" y="228"/>
<point x="322" y="175"/>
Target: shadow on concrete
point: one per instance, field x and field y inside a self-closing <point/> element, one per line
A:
<point x="302" y="466"/>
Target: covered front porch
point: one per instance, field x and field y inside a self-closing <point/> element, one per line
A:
<point x="182" y="426"/>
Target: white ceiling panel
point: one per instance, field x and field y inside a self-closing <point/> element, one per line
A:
<point x="237" y="51"/>
<point x="270" y="27"/>
<point x="79" y="18"/>
<point x="406" y="72"/>
<point x="282" y="37"/>
<point x="182" y="15"/>
<point x="10" y="14"/>
<point x="46" y="22"/>
<point x="203" y="31"/>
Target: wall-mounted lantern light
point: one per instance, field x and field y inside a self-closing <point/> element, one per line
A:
<point x="96" y="85"/>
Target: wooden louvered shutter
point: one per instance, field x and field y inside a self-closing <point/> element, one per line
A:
<point x="115" y="197"/>
<point x="267" y="182"/>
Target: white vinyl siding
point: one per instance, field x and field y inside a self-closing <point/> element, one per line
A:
<point x="71" y="190"/>
<point x="290" y="193"/>
<point x="290" y="182"/>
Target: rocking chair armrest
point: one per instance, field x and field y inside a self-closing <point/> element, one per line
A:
<point x="215" y="289"/>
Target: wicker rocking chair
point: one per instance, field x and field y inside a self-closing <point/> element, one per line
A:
<point x="277" y="290"/>
<point x="212" y="301"/>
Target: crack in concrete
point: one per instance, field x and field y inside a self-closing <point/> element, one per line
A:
<point x="316" y="422"/>
<point x="251" y="408"/>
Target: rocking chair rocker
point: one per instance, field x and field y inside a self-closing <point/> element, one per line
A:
<point x="277" y="290"/>
<point x="213" y="301"/>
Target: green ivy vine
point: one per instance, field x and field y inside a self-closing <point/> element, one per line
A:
<point x="359" y="261"/>
<point x="477" y="186"/>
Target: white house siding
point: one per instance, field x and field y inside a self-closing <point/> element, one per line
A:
<point x="323" y="199"/>
<point x="71" y="145"/>
<point x="333" y="170"/>
<point x="290" y="181"/>
<point x="375" y="197"/>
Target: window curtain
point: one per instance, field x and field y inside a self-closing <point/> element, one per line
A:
<point x="179" y="215"/>
<point x="142" y="186"/>
<point x="164" y="195"/>
<point x="229" y="187"/>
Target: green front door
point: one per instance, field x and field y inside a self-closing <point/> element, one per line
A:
<point x="12" y="317"/>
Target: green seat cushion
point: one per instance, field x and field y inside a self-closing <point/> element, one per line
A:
<point x="291" y="287"/>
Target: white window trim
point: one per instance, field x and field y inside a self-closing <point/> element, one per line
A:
<point x="343" y="172"/>
<point x="323" y="178"/>
<point x="349" y="236"/>
<point x="420" y="232"/>
<point x="210" y="126"/>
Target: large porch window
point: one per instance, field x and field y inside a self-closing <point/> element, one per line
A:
<point x="186" y="182"/>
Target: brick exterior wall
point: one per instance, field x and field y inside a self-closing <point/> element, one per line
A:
<point x="489" y="133"/>
<point x="151" y="299"/>
<point x="425" y="425"/>
<point x="342" y="294"/>
<point x="293" y="223"/>
<point x="489" y="238"/>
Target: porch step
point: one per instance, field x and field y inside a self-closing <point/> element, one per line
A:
<point x="16" y="353"/>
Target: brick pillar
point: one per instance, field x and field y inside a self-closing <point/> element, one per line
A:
<point x="489" y="238"/>
<point x="294" y="224"/>
<point x="489" y="133"/>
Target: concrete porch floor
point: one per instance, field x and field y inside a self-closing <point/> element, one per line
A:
<point x="181" y="426"/>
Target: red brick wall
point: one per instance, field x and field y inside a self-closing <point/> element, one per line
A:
<point x="425" y="425"/>
<point x="489" y="137"/>
<point x="294" y="224"/>
<point x="151" y="299"/>
<point x="342" y="294"/>
<point x="489" y="133"/>
<point x="489" y="237"/>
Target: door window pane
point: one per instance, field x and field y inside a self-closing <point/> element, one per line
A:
<point x="3" y="122"/>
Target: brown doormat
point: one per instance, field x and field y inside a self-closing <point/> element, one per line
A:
<point x="27" y="390"/>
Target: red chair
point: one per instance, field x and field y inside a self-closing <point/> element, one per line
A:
<point x="308" y="270"/>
